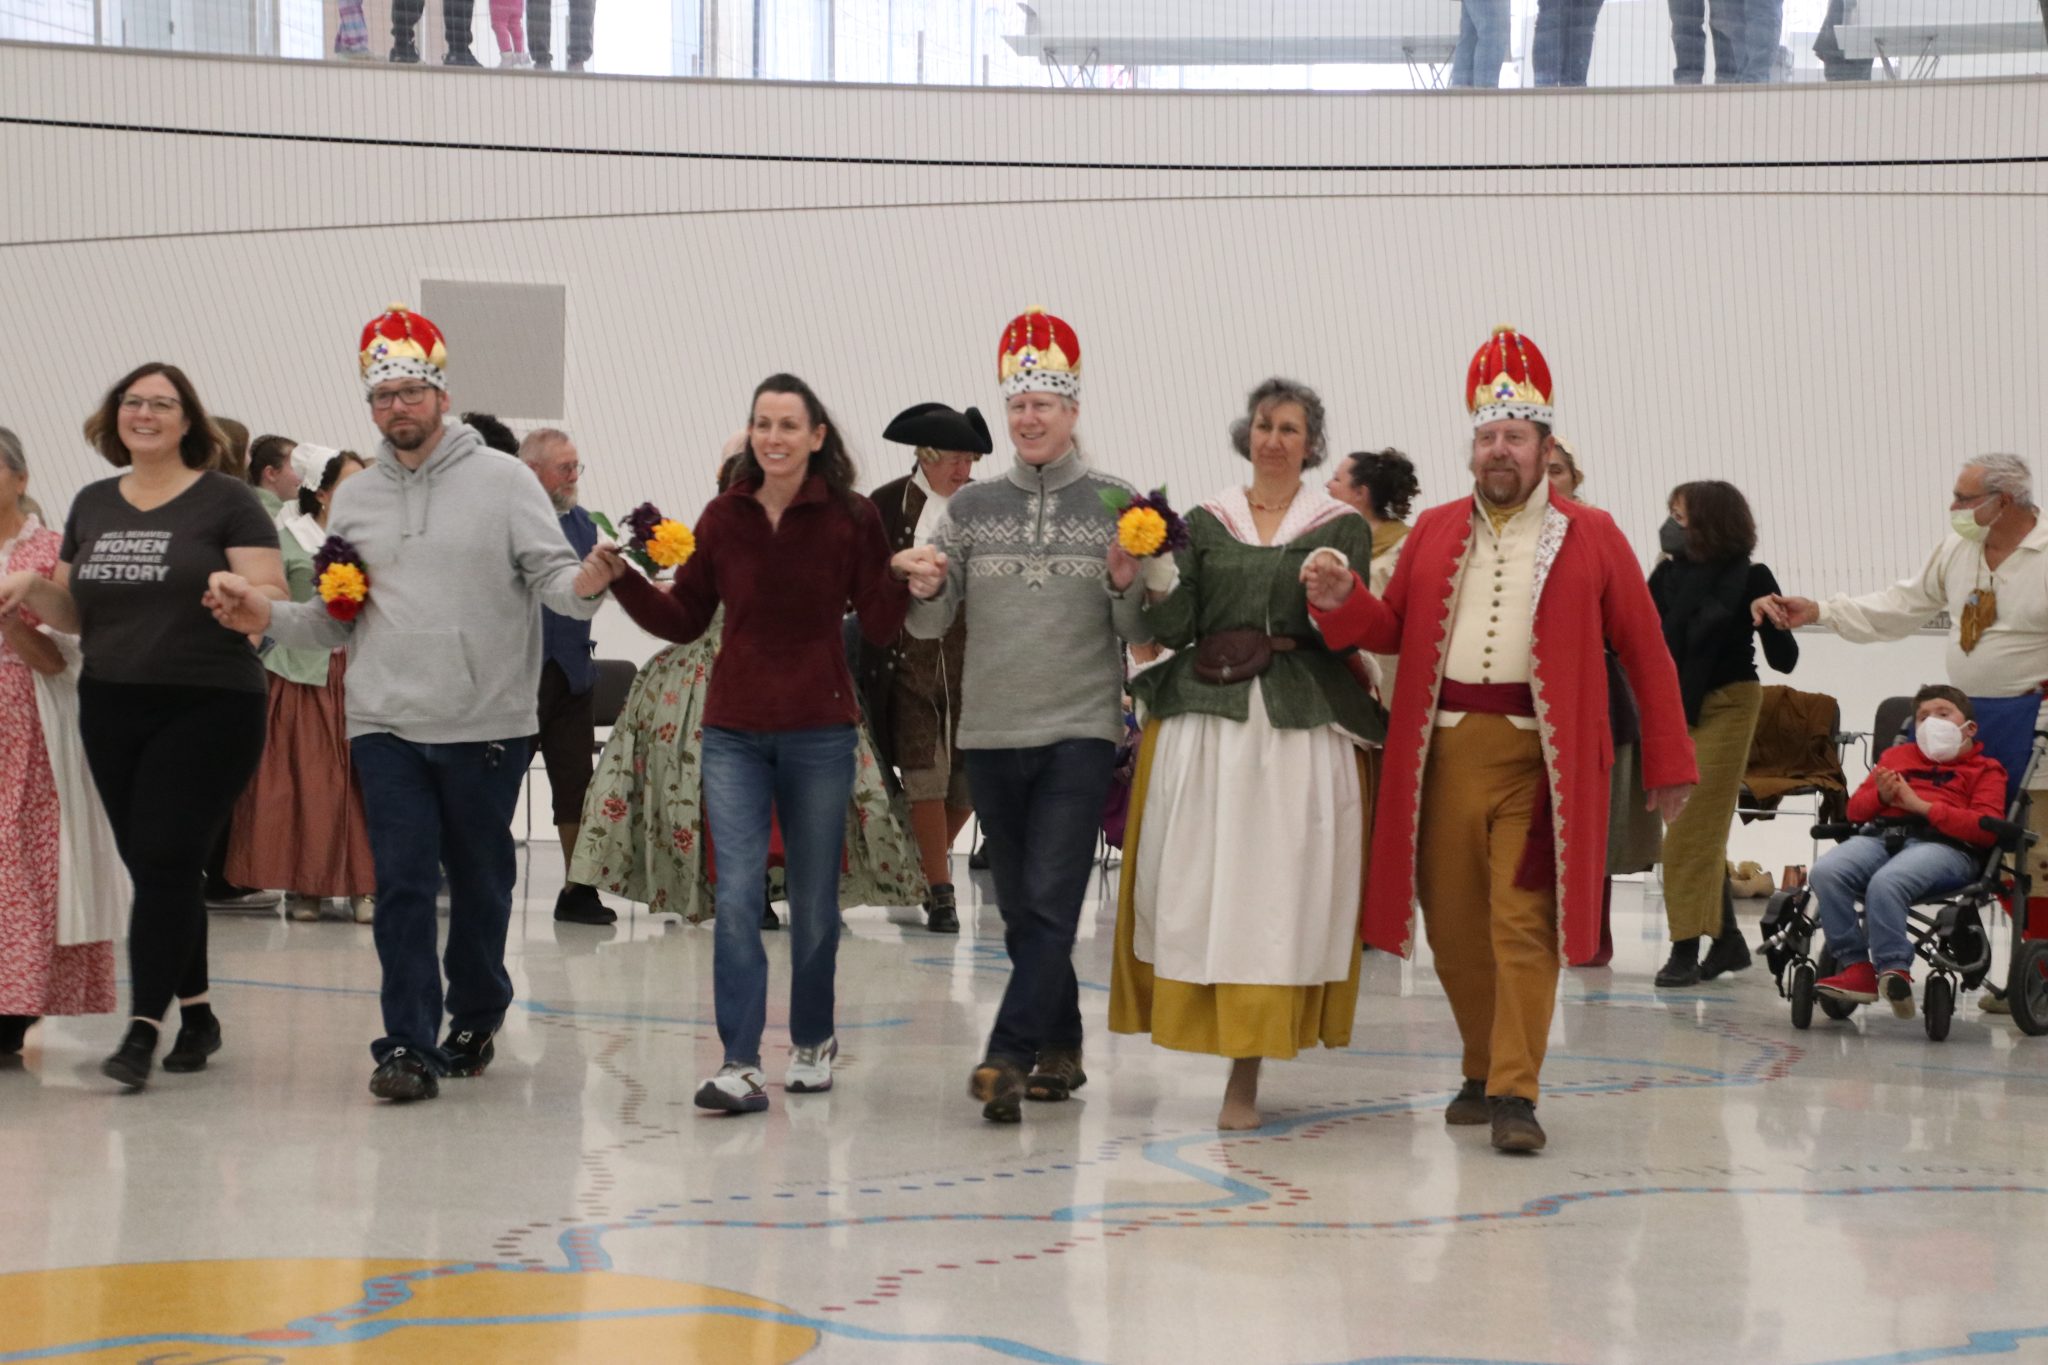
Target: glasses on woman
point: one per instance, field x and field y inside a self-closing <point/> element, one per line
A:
<point x="162" y="407"/>
<point x="411" y="395"/>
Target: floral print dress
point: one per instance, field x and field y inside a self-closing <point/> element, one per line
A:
<point x="37" y="977"/>
<point x="643" y="819"/>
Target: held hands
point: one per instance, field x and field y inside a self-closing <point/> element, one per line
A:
<point x="237" y="604"/>
<point x="603" y="567"/>
<point x="1786" y="613"/>
<point x="1669" y="802"/>
<point x="1328" y="580"/>
<point x="14" y="591"/>
<point x="923" y="567"/>
<point x="1124" y="567"/>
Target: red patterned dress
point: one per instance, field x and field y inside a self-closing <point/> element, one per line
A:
<point x="36" y="976"/>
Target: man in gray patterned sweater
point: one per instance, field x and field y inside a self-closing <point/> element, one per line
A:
<point x="1033" y="558"/>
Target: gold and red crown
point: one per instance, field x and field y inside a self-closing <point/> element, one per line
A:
<point x="1508" y="378"/>
<point x="400" y="344"/>
<point x="1041" y="354"/>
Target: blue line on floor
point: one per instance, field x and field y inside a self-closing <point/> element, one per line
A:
<point x="530" y="1006"/>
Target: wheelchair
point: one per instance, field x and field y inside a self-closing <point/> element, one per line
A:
<point x="1947" y="930"/>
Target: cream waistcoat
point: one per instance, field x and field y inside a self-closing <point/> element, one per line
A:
<point x="1493" y="621"/>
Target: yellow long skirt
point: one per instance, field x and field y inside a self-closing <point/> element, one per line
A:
<point x="1222" y="1019"/>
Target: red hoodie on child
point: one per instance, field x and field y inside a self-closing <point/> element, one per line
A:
<point x="1958" y="793"/>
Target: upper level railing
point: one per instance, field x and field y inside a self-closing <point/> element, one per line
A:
<point x="1120" y="44"/>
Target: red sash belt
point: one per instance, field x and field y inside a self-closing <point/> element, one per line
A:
<point x="1487" y="699"/>
<point x="1536" y="870"/>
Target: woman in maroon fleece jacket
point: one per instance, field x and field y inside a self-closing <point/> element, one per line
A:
<point x="1945" y="778"/>
<point x="786" y="548"/>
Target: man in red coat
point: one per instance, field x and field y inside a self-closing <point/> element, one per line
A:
<point x="1492" y="805"/>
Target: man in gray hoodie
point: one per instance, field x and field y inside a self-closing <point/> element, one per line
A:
<point x="460" y="550"/>
<point x="1033" y="559"/>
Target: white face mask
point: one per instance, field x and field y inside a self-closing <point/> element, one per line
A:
<point x="1963" y="521"/>
<point x="1939" y="738"/>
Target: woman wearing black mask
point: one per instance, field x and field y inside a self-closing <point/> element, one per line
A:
<point x="1704" y="589"/>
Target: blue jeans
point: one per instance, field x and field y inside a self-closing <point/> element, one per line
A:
<point x="806" y="778"/>
<point x="1042" y="811"/>
<point x="1483" y="33"/>
<point x="1563" y="46"/>
<point x="1763" y="26"/>
<point x="430" y="806"/>
<point x="1887" y="884"/>
<point x="1690" y="25"/>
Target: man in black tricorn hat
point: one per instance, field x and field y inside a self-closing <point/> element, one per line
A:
<point x="912" y="688"/>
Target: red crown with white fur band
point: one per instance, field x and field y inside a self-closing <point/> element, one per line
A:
<point x="1508" y="378"/>
<point x="399" y="344"/>
<point x="1039" y="354"/>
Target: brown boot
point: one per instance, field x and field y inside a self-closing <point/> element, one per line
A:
<point x="1515" y="1128"/>
<point x="1056" y="1075"/>
<point x="999" y="1084"/>
<point x="1470" y="1108"/>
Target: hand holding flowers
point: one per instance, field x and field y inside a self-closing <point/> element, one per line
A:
<point x="654" y="542"/>
<point x="1148" y="531"/>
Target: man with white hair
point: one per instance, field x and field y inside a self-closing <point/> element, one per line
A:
<point x="1032" y="559"/>
<point x="1991" y="576"/>
<point x="568" y="675"/>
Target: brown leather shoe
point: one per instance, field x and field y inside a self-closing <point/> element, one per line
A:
<point x="1470" y="1108"/>
<point x="1056" y="1074"/>
<point x="999" y="1085"/>
<point x="1515" y="1128"/>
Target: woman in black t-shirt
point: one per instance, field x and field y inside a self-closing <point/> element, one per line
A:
<point x="171" y="706"/>
<point x="1703" y="591"/>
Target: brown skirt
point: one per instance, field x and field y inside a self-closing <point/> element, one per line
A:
<point x="299" y="825"/>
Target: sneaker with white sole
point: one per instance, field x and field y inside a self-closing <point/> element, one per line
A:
<point x="736" y="1089"/>
<point x="810" y="1068"/>
<point x="302" y="909"/>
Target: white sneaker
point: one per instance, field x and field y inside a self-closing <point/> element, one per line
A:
<point x="810" y="1068"/>
<point x="304" y="909"/>
<point x="364" y="908"/>
<point x="736" y="1089"/>
<point x="516" y="61"/>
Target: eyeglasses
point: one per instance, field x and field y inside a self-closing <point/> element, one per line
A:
<point x="412" y="395"/>
<point x="162" y="407"/>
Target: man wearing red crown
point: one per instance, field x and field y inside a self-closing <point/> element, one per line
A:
<point x="1493" y="800"/>
<point x="451" y="550"/>
<point x="1032" y="558"/>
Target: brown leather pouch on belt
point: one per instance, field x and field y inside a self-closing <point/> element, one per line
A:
<point x="1233" y="656"/>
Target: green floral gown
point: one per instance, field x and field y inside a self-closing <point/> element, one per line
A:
<point x="643" y="820"/>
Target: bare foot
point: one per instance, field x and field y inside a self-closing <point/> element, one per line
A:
<point x="1238" y="1118"/>
<point x="1240" y="1112"/>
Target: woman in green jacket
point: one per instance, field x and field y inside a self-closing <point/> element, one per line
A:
<point x="1245" y="851"/>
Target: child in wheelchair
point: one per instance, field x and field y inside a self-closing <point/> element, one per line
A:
<point x="1923" y="805"/>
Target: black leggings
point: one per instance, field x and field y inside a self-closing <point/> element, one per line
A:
<point x="169" y="763"/>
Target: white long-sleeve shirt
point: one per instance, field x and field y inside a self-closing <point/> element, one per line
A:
<point x="2012" y="656"/>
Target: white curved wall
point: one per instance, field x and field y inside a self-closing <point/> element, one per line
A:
<point x="1827" y="295"/>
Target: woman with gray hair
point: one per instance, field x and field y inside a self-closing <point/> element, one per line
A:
<point x="39" y="974"/>
<point x="1237" y="931"/>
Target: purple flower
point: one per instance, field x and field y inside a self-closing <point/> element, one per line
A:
<point x="1176" y="527"/>
<point x="641" y="521"/>
<point x="335" y="551"/>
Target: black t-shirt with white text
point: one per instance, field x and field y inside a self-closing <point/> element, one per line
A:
<point x="138" y="578"/>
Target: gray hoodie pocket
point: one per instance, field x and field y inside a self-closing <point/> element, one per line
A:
<point x="418" y="675"/>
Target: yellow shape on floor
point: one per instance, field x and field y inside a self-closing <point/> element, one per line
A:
<point x="299" y="1311"/>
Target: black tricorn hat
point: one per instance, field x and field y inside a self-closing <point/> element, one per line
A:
<point x="938" y="427"/>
